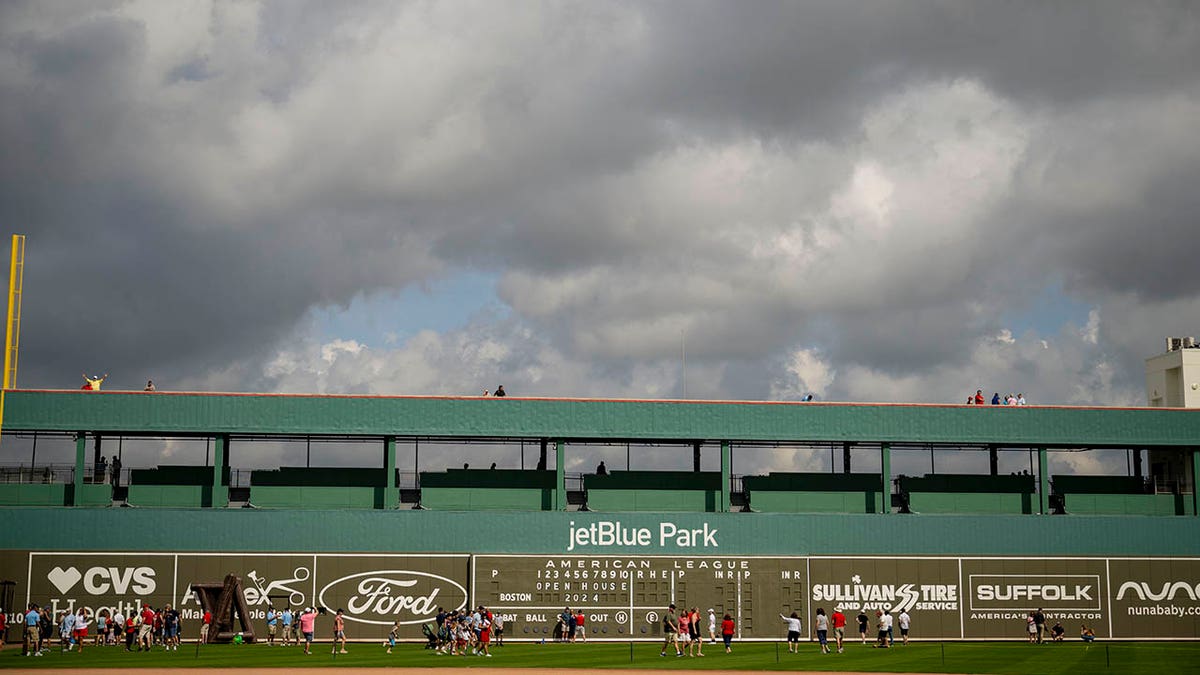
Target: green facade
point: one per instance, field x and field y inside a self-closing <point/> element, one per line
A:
<point x="179" y="414"/>
<point x="331" y="531"/>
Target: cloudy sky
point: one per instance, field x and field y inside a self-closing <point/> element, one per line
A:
<point x="869" y="201"/>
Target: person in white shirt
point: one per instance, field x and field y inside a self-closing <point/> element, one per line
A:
<point x="1020" y="399"/>
<point x="712" y="625"/>
<point x="884" y="623"/>
<point x="904" y="619"/>
<point x="793" y="636"/>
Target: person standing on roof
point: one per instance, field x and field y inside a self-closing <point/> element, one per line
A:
<point x="93" y="383"/>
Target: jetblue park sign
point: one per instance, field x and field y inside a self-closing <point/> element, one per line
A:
<point x="612" y="533"/>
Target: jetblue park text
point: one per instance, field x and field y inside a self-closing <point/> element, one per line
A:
<point x="612" y="533"/>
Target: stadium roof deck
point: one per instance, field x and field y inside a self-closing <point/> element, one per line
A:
<point x="605" y="420"/>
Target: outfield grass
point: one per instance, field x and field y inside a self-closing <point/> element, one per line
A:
<point x="1001" y="658"/>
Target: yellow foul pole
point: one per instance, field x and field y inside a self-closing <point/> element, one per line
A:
<point x="12" y="333"/>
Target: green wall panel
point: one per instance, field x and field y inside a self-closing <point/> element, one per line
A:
<point x="314" y="497"/>
<point x="32" y="494"/>
<point x="167" y="495"/>
<point x="1140" y="505"/>
<point x="773" y="501"/>
<point x="652" y="500"/>
<point x="968" y="502"/>
<point x="508" y="499"/>
<point x="166" y="413"/>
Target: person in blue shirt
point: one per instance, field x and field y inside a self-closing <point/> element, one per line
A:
<point x="286" y="618"/>
<point x="272" y="622"/>
<point x="30" y="645"/>
<point x="996" y="398"/>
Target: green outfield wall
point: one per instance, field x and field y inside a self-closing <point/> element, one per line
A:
<point x="959" y="577"/>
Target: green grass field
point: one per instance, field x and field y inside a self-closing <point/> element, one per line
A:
<point x="1002" y="658"/>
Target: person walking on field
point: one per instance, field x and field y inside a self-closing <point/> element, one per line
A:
<point x="904" y="620"/>
<point x="823" y="630"/>
<point x="839" y="627"/>
<point x="793" y="632"/>
<point x="339" y="632"/>
<point x="670" y="629"/>
<point x="885" y="626"/>
<point x="685" y="630"/>
<point x="863" y="620"/>
<point x="712" y="625"/>
<point x="727" y="632"/>
<point x="697" y="640"/>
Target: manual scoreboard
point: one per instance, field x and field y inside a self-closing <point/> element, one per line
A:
<point x="624" y="597"/>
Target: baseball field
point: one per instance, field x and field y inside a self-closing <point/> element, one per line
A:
<point x="925" y="657"/>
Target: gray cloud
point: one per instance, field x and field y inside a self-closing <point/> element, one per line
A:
<point x="874" y="185"/>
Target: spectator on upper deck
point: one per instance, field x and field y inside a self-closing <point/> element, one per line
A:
<point x="1020" y="399"/>
<point x="978" y="397"/>
<point x="93" y="383"/>
<point x="150" y="386"/>
<point x="500" y="391"/>
<point x="602" y="470"/>
<point x="996" y="398"/>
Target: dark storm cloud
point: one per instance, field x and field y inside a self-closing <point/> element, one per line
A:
<point x="192" y="187"/>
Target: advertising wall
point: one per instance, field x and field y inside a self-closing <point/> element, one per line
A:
<point x="624" y="596"/>
<point x="374" y="590"/>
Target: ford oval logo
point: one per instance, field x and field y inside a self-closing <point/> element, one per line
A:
<point x="384" y="597"/>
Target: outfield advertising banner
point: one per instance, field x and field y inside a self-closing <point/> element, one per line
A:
<point x="1155" y="598"/>
<point x="1001" y="594"/>
<point x="373" y="590"/>
<point x="624" y="597"/>
<point x="926" y="588"/>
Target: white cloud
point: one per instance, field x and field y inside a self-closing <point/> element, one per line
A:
<point x="806" y="373"/>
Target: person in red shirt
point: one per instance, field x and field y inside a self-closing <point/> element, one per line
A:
<point x="205" y="623"/>
<point x="978" y="397"/>
<point x="3" y="628"/>
<point x="580" y="628"/>
<point x="727" y="632"/>
<point x="130" y="632"/>
<point x="146" y="631"/>
<point x="839" y="627"/>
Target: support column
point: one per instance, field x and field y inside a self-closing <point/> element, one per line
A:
<point x="80" y="456"/>
<point x="1195" y="482"/>
<point x="994" y="460"/>
<point x="1043" y="483"/>
<point x="220" y="493"/>
<point x="1137" y="462"/>
<point x="696" y="456"/>
<point x="726" y="475"/>
<point x="97" y="453"/>
<point x="560" y="486"/>
<point x="885" y="470"/>
<point x="392" y="495"/>
<point x="541" y="466"/>
<point x="845" y="458"/>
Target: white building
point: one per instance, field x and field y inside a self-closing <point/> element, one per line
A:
<point x="1173" y="377"/>
<point x="1173" y="381"/>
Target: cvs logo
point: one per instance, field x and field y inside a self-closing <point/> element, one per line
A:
<point x="136" y="580"/>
